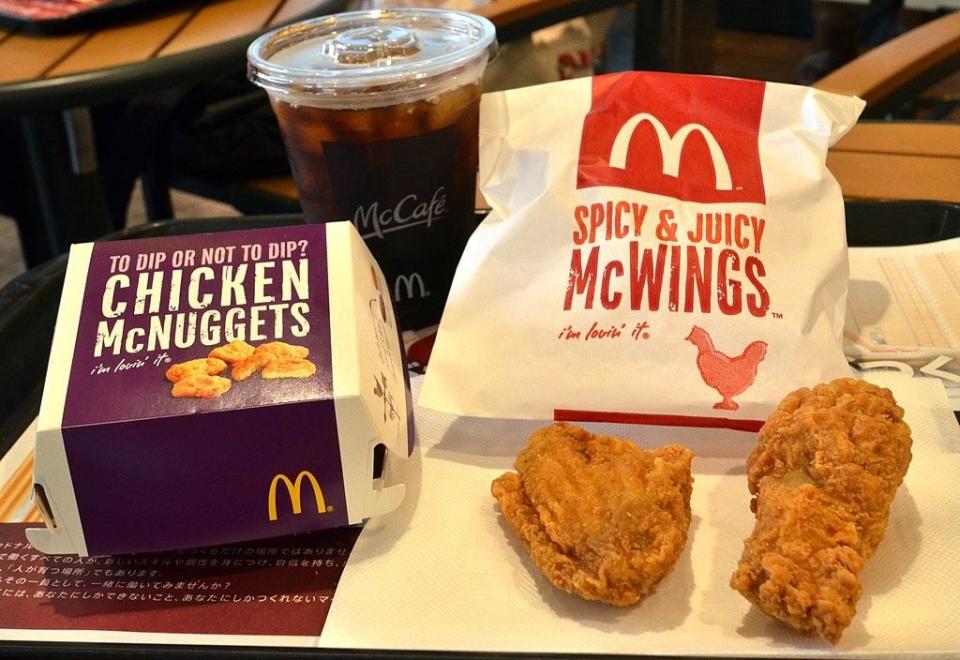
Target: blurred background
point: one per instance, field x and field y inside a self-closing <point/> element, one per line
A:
<point x="211" y="147"/>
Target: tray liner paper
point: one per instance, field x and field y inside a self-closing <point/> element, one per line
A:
<point x="426" y="575"/>
<point x="273" y="587"/>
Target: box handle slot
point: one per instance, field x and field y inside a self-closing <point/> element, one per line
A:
<point x="40" y="500"/>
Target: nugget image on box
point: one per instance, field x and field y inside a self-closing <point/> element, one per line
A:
<point x="214" y="388"/>
<point x="195" y="377"/>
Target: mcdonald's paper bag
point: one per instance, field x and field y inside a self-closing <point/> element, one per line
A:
<point x="665" y="249"/>
<point x="214" y="388"/>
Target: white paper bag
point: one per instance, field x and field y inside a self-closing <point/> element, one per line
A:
<point x="662" y="248"/>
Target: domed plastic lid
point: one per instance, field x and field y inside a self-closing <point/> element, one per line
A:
<point x="387" y="53"/>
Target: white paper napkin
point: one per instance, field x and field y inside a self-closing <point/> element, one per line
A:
<point x="445" y="573"/>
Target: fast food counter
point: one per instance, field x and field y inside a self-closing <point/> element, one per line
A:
<point x="35" y="295"/>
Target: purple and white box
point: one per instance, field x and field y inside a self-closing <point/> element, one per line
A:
<point x="147" y="442"/>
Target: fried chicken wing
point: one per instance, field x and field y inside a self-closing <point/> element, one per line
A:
<point x="823" y="475"/>
<point x="601" y="517"/>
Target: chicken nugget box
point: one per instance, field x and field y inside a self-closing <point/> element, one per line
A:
<point x="213" y="388"/>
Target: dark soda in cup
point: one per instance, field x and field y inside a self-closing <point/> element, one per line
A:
<point x="379" y="113"/>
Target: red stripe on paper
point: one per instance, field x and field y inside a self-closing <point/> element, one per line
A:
<point x="564" y="415"/>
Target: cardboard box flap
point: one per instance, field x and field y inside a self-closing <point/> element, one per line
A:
<point x="365" y="328"/>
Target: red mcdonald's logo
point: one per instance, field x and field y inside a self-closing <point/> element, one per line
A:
<point x="690" y="137"/>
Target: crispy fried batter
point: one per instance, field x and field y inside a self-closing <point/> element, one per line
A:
<point x="204" y="366"/>
<point x="601" y="517"/>
<point x="243" y="369"/>
<point x="823" y="475"/>
<point x="288" y="368"/>
<point x="233" y="351"/>
<point x="200" y="386"/>
<point x="281" y="349"/>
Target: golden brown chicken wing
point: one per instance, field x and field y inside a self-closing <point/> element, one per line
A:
<point x="823" y="475"/>
<point x="601" y="517"/>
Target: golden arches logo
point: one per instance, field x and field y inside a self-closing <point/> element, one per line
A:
<point x="671" y="148"/>
<point x="293" y="488"/>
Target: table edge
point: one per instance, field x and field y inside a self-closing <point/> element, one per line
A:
<point x="99" y="86"/>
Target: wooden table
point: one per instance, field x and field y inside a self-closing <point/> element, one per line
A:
<point x="47" y="82"/>
<point x="905" y="160"/>
<point x="899" y="160"/>
<point x="178" y="46"/>
<point x="181" y="45"/>
<point x="62" y="75"/>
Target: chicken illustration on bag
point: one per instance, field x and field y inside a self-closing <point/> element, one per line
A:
<point x="635" y="212"/>
<point x="729" y="376"/>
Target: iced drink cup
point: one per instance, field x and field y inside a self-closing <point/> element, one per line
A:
<point x="379" y="113"/>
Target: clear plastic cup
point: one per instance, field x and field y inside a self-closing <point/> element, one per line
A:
<point x="379" y="113"/>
